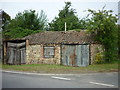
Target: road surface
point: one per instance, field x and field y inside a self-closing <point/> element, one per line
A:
<point x="95" y="80"/>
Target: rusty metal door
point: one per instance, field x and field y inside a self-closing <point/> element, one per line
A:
<point x="75" y="55"/>
<point x="16" y="53"/>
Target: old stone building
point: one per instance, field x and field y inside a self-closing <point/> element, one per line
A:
<point x="70" y="48"/>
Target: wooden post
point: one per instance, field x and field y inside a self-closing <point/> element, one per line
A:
<point x="26" y="58"/>
<point x="4" y="52"/>
<point x="27" y="43"/>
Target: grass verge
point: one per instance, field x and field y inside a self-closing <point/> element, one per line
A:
<point x="59" y="69"/>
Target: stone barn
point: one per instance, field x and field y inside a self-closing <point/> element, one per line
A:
<point x="69" y="48"/>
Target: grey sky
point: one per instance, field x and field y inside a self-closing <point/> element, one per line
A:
<point x="52" y="7"/>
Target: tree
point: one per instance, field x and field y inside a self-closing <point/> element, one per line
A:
<point x="25" y="23"/>
<point x="103" y="24"/>
<point x="30" y="20"/>
<point x="83" y="23"/>
<point x="66" y="15"/>
<point x="18" y="32"/>
<point x="5" y="19"/>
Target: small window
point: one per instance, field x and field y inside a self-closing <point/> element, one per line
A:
<point x="49" y="52"/>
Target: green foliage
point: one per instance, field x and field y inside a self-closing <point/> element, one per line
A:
<point x="119" y="41"/>
<point x="83" y="23"/>
<point x="18" y="32"/>
<point x="25" y="23"/>
<point x="30" y="20"/>
<point x="5" y="19"/>
<point x="78" y="30"/>
<point x="103" y="24"/>
<point x="66" y="15"/>
<point x="99" y="58"/>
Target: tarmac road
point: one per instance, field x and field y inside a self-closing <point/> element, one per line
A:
<point x="94" y="80"/>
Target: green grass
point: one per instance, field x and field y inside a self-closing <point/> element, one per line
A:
<point x="57" y="69"/>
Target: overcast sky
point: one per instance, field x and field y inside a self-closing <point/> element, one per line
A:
<point x="52" y="7"/>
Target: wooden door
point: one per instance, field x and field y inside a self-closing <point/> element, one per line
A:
<point x="16" y="53"/>
<point x="75" y="55"/>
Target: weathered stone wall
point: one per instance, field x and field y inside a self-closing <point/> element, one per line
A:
<point x="94" y="49"/>
<point x="35" y="55"/>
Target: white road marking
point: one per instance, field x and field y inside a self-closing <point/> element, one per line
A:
<point x="26" y="73"/>
<point x="102" y="84"/>
<point x="18" y="72"/>
<point x="61" y="78"/>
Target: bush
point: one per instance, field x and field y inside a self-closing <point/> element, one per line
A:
<point x="99" y="58"/>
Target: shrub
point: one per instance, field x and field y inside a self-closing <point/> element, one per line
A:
<point x="99" y="58"/>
